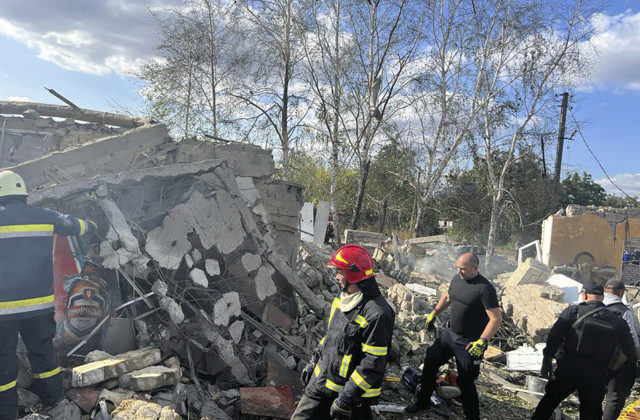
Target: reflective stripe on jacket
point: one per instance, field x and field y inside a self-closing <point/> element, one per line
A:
<point x="26" y="256"/>
<point x="354" y="352"/>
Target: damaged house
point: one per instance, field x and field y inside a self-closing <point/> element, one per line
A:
<point x="193" y="256"/>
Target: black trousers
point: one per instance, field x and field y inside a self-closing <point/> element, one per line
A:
<point x="312" y="409"/>
<point x="574" y="375"/>
<point x="618" y="389"/>
<point x="37" y="334"/>
<point x="447" y="345"/>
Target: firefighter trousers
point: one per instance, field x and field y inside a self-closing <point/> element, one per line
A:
<point x="37" y="334"/>
<point x="311" y="409"/>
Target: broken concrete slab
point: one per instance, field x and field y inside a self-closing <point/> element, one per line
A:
<point x="106" y="155"/>
<point x="143" y="410"/>
<point x="269" y="401"/>
<point x="85" y="398"/>
<point x="529" y="272"/>
<point x="150" y="378"/>
<point x="212" y="267"/>
<point x="571" y="288"/>
<point x="96" y="372"/>
<point x="361" y="237"/>
<point x="530" y="311"/>
<point x="281" y="375"/>
<point x="213" y="219"/>
<point x="119" y="336"/>
<point x="226" y="307"/>
<point x="199" y="278"/>
<point x="173" y="309"/>
<point x="235" y="330"/>
<point x="265" y="286"/>
<point x="251" y="262"/>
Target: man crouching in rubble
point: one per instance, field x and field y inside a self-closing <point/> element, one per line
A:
<point x="345" y="375"/>
<point x="26" y="291"/>
<point x="475" y="319"/>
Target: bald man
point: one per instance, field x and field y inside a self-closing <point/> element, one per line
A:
<point x="475" y="319"/>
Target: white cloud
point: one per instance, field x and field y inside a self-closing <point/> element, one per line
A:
<point x="629" y="183"/>
<point x="19" y="99"/>
<point x="96" y="37"/>
<point x="615" y="48"/>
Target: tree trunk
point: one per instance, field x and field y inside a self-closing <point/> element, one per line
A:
<point x="284" y="137"/>
<point x="493" y="230"/>
<point x="364" y="173"/>
<point x="212" y="61"/>
<point x="417" y="224"/>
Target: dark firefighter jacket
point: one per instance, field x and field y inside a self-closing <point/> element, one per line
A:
<point x="563" y="339"/>
<point x="354" y="351"/>
<point x="26" y="256"/>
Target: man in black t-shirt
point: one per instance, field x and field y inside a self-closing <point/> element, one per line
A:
<point x="475" y="319"/>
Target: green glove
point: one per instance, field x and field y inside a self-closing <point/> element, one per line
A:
<point x="477" y="348"/>
<point x="431" y="320"/>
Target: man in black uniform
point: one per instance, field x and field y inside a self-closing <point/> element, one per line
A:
<point x="583" y="340"/>
<point x="475" y="319"/>
<point x="345" y="375"/>
<point x="26" y="291"/>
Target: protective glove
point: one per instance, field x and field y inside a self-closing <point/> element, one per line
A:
<point x="307" y="372"/>
<point x="431" y="321"/>
<point x="547" y="367"/>
<point x="340" y="410"/>
<point x="477" y="348"/>
<point x="92" y="226"/>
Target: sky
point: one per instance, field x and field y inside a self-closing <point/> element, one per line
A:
<point x="87" y="49"/>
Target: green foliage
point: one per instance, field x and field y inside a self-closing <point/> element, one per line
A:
<point x="582" y="190"/>
<point x="467" y="202"/>
<point x="390" y="179"/>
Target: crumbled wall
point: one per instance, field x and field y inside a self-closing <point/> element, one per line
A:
<point x="600" y="233"/>
<point x="29" y="138"/>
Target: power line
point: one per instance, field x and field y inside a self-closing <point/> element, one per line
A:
<point x="594" y="156"/>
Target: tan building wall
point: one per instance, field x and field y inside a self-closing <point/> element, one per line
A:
<point x="566" y="238"/>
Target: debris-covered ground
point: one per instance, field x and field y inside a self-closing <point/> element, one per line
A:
<point x="196" y="297"/>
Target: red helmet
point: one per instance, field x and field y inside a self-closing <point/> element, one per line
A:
<point x="355" y="261"/>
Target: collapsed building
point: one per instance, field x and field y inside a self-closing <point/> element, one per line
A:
<point x="197" y="297"/>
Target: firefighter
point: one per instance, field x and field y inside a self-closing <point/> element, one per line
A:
<point x="26" y="291"/>
<point x="583" y="340"/>
<point x="475" y="319"/>
<point x="345" y="375"/>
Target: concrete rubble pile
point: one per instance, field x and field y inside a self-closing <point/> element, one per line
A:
<point x="196" y="245"/>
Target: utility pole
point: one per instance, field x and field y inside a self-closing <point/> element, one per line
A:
<point x="561" y="130"/>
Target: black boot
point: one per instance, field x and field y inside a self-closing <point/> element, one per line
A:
<point x="417" y="405"/>
<point x="420" y="402"/>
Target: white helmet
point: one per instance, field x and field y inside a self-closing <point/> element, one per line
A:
<point x="11" y="184"/>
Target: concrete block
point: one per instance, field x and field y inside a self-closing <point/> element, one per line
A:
<point x="215" y="221"/>
<point x="199" y="278"/>
<point x="143" y="410"/>
<point x="226" y="307"/>
<point x="251" y="262"/>
<point x="150" y="378"/>
<point x="265" y="286"/>
<point x="531" y="312"/>
<point x="212" y="267"/>
<point x="530" y="272"/>
<point x="236" y="330"/>
<point x="96" y="372"/>
<point x="274" y="316"/>
<point x="173" y="309"/>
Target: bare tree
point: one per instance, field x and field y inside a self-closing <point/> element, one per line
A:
<point x="199" y="52"/>
<point x="386" y="34"/>
<point x="269" y="84"/>
<point x="328" y="59"/>
<point x="533" y="58"/>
